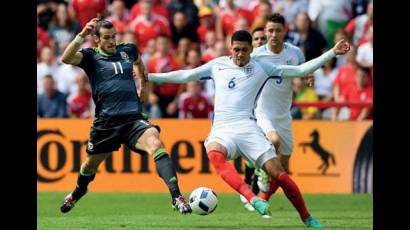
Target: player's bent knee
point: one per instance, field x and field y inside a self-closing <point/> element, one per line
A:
<point x="274" y="167"/>
<point x="214" y="146"/>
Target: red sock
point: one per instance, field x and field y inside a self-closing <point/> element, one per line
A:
<point x="273" y="186"/>
<point x="292" y="192"/>
<point x="229" y="174"/>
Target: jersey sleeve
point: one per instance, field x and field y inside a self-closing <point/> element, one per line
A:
<point x="300" y="56"/>
<point x="133" y="51"/>
<point x="270" y="69"/>
<point x="183" y="76"/>
<point x="86" y="61"/>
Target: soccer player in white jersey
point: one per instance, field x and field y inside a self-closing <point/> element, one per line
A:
<point x="238" y="82"/>
<point x="251" y="178"/>
<point x="273" y="107"/>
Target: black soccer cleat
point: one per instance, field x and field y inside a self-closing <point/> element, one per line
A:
<point x="70" y="200"/>
<point x="179" y="203"/>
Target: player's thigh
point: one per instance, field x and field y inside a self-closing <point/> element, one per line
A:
<point x="221" y="140"/>
<point x="149" y="141"/>
<point x="141" y="136"/>
<point x="284" y="160"/>
<point x="104" y="138"/>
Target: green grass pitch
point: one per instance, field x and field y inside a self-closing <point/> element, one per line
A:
<point x="153" y="211"/>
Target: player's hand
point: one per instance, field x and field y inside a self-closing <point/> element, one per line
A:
<point x="89" y="27"/>
<point x="310" y="80"/>
<point x="341" y="47"/>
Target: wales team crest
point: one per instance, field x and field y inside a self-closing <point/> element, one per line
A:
<point x="124" y="55"/>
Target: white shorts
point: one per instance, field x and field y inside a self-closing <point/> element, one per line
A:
<point x="244" y="139"/>
<point x="284" y="132"/>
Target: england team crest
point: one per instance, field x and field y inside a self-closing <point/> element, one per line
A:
<point x="248" y="70"/>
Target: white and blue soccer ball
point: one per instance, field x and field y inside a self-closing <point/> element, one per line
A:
<point x="203" y="201"/>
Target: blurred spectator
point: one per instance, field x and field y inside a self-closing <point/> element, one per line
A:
<point x="163" y="61"/>
<point x="225" y="23"/>
<point x="47" y="66"/>
<point x="359" y="7"/>
<point x="290" y="9"/>
<point x="42" y="41"/>
<point x="305" y="94"/>
<point x="129" y="37"/>
<point x="358" y="26"/>
<point x="148" y="25"/>
<point x="206" y="21"/>
<point x="85" y="10"/>
<point x="66" y="78"/>
<point x="180" y="28"/>
<point x="308" y="39"/>
<point x="217" y="51"/>
<point x="341" y="35"/>
<point x="79" y="103"/>
<point x="258" y="37"/>
<point x="62" y="29"/>
<point x="365" y="51"/>
<point x="188" y="7"/>
<point x="120" y="16"/>
<point x="158" y="9"/>
<point x="345" y="80"/>
<point x="264" y="9"/>
<point x="208" y="49"/>
<point x="329" y="16"/>
<point x="361" y="92"/>
<point x="184" y="45"/>
<point x="193" y="59"/>
<point x="148" y="52"/>
<point x="324" y="78"/>
<point x="52" y="103"/>
<point x="193" y="104"/>
<point x="45" y="12"/>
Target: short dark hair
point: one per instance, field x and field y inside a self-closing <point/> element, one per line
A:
<point x="242" y="36"/>
<point x="257" y="29"/>
<point x="276" y="18"/>
<point x="102" y="24"/>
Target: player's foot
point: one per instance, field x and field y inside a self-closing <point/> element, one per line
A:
<point x="181" y="205"/>
<point x="246" y="204"/>
<point x="261" y="206"/>
<point x="311" y="222"/>
<point x="263" y="180"/>
<point x="71" y="199"/>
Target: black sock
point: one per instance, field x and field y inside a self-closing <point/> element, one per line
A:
<point x="82" y="184"/>
<point x="248" y="174"/>
<point x="167" y="172"/>
<point x="255" y="187"/>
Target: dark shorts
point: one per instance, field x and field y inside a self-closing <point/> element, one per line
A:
<point x="108" y="133"/>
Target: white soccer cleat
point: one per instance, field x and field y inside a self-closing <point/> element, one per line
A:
<point x="263" y="180"/>
<point x="246" y="203"/>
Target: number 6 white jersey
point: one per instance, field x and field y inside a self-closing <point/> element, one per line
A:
<point x="276" y="98"/>
<point x="237" y="88"/>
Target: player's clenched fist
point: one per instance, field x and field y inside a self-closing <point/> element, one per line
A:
<point x="342" y="47"/>
<point x="89" y="27"/>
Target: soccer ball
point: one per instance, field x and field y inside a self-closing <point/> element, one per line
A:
<point x="203" y="201"/>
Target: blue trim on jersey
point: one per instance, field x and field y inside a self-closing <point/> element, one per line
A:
<point x="260" y="90"/>
<point x="205" y="78"/>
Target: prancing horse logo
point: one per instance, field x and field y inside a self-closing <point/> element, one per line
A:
<point x="319" y="150"/>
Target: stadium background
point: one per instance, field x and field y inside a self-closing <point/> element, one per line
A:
<point x="194" y="33"/>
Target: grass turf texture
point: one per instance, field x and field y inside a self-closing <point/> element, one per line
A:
<point x="153" y="211"/>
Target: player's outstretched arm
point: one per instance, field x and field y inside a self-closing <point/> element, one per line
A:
<point x="182" y="76"/>
<point x="341" y="48"/>
<point x="70" y="54"/>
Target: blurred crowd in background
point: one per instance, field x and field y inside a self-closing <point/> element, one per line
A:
<point x="184" y="34"/>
